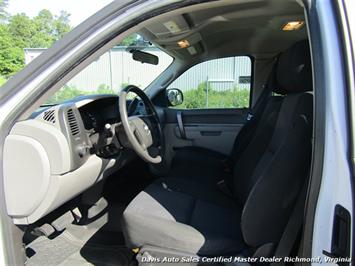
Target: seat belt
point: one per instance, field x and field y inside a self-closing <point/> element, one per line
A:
<point x="254" y="114"/>
<point x="293" y="228"/>
<point x="245" y="134"/>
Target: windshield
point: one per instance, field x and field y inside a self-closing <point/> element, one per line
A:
<point x="114" y="70"/>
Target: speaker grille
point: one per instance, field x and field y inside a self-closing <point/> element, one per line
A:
<point x="49" y="116"/>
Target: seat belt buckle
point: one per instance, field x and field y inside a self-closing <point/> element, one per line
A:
<point x="225" y="166"/>
<point x="250" y="116"/>
<point x="222" y="185"/>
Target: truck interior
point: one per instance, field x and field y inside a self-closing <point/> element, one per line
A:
<point x="114" y="180"/>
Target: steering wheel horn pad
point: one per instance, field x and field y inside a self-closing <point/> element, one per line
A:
<point x="137" y="131"/>
<point x="141" y="131"/>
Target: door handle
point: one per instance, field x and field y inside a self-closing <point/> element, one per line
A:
<point x="340" y="246"/>
<point x="181" y="125"/>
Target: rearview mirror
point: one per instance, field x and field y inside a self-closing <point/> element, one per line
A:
<point x="144" y="57"/>
<point x="174" y="97"/>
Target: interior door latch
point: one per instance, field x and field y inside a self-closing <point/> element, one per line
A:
<point x="181" y="125"/>
<point x="340" y="246"/>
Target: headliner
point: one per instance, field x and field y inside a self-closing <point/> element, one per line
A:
<point x="228" y="27"/>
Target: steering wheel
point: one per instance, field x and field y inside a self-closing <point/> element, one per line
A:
<point x="138" y="132"/>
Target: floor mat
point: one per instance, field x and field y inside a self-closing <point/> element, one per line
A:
<point x="125" y="185"/>
<point x="98" y="243"/>
<point x="98" y="256"/>
<point x="65" y="250"/>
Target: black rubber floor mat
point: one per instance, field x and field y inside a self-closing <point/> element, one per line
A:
<point x="64" y="251"/>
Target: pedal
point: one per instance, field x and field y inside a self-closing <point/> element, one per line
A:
<point x="77" y="214"/>
<point x="44" y="230"/>
<point x="63" y="221"/>
<point x="97" y="208"/>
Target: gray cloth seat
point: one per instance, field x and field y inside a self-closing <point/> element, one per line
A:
<point x="165" y="218"/>
<point x="194" y="217"/>
<point x="204" y="172"/>
<point x="204" y="165"/>
<point x="208" y="192"/>
<point x="209" y="167"/>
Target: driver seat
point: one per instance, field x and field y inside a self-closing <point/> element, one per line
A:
<point x="183" y="220"/>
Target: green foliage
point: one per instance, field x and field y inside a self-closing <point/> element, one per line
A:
<point x="41" y="31"/>
<point x="2" y="80"/>
<point x="104" y="89"/>
<point x="130" y="40"/>
<point x="49" y="28"/>
<point x="61" y="25"/>
<point x="135" y="40"/>
<point x="19" y="31"/>
<point x="69" y="92"/>
<point x="124" y="85"/>
<point x="11" y="56"/>
<point x="197" y="98"/>
<point x="65" y="93"/>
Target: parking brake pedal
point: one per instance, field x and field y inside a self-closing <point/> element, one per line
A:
<point x="63" y="221"/>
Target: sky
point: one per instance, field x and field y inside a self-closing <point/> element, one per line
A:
<point x="79" y="9"/>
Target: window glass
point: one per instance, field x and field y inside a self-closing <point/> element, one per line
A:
<point x="218" y="83"/>
<point x="115" y="70"/>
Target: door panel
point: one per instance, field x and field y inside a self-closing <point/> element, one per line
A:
<point x="215" y="137"/>
<point x="214" y="129"/>
<point x="207" y="116"/>
<point x="216" y="99"/>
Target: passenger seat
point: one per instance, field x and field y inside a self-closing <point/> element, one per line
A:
<point x="203" y="164"/>
<point x="193" y="218"/>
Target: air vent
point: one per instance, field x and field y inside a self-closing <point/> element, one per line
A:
<point x="49" y="116"/>
<point x="74" y="127"/>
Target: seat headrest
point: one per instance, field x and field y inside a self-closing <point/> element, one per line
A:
<point x="294" y="69"/>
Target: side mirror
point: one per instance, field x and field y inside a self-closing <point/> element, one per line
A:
<point x="144" y="57"/>
<point x="174" y="97"/>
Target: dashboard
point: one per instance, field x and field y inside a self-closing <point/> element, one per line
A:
<point x="100" y="112"/>
<point x="101" y="119"/>
<point x="63" y="150"/>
